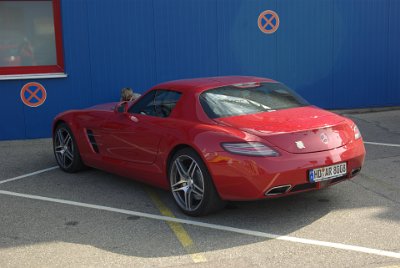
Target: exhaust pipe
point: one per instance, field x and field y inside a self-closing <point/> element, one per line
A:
<point x="278" y="190"/>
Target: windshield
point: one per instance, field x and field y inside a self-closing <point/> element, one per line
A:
<point x="249" y="98"/>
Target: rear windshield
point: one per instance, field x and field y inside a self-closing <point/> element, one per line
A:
<point x="249" y="99"/>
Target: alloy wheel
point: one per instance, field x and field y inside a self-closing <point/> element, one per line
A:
<point x="64" y="148"/>
<point x="187" y="183"/>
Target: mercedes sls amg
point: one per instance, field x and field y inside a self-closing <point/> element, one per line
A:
<point x="212" y="140"/>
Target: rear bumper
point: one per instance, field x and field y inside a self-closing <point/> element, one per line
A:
<point x="239" y="177"/>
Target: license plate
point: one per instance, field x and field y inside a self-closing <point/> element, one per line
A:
<point x="327" y="173"/>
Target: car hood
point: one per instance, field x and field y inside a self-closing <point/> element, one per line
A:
<point x="296" y="130"/>
<point x="103" y="107"/>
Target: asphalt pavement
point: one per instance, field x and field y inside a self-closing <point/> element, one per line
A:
<point x="92" y="218"/>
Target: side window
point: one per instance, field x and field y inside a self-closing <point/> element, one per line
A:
<point x="145" y="105"/>
<point x="165" y="102"/>
<point x="158" y="103"/>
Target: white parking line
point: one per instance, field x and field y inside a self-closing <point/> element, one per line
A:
<point x="29" y="174"/>
<point x="212" y="226"/>
<point x="382" y="144"/>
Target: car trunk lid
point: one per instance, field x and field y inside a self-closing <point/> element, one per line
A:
<point x="295" y="130"/>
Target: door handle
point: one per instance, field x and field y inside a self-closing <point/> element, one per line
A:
<point x="133" y="118"/>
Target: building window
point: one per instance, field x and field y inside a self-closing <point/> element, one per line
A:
<point x="30" y="37"/>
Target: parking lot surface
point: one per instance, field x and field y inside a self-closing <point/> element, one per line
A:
<point x="93" y="218"/>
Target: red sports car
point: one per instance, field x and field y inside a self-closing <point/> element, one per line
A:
<point x="211" y="140"/>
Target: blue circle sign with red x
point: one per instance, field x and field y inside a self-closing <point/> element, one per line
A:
<point x="268" y="21"/>
<point x="33" y="94"/>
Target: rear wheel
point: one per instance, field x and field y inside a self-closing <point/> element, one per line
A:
<point x="191" y="184"/>
<point x="66" y="150"/>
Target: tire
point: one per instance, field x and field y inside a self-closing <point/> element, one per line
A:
<point x="191" y="184"/>
<point x="66" y="150"/>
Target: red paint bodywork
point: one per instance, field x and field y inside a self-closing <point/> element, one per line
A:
<point x="140" y="146"/>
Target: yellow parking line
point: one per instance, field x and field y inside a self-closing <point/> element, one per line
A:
<point x="178" y="229"/>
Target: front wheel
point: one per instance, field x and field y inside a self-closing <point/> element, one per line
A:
<point x="191" y="184"/>
<point x="66" y="150"/>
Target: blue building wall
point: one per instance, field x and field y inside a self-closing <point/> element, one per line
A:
<point x="336" y="53"/>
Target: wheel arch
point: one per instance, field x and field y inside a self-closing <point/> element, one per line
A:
<point x="171" y="155"/>
<point x="174" y="150"/>
<point x="56" y="124"/>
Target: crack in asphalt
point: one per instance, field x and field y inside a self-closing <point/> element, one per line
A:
<point x="376" y="124"/>
<point x="379" y="124"/>
<point x="375" y="192"/>
<point x="386" y="157"/>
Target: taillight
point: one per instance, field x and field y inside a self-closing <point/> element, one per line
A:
<point x="249" y="148"/>
<point x="357" y="133"/>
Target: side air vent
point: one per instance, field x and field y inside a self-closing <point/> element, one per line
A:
<point x="92" y="140"/>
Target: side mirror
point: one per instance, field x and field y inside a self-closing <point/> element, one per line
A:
<point x="121" y="107"/>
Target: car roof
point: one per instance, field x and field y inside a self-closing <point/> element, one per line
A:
<point x="201" y="84"/>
